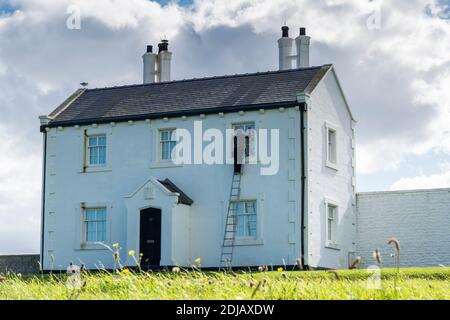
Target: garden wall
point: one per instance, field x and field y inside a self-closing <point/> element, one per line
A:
<point x="419" y="219"/>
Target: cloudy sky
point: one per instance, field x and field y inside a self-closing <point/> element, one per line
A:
<point x="392" y="57"/>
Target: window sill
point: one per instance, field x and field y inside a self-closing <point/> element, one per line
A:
<point x="91" y="246"/>
<point x="248" y="162"/>
<point x="165" y="164"/>
<point x="248" y="242"/>
<point x="97" y="169"/>
<point x="333" y="246"/>
<point x="331" y="165"/>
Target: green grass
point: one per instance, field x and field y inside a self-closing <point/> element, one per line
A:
<point x="432" y="283"/>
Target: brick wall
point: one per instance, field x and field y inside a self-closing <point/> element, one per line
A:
<point x="24" y="264"/>
<point x="419" y="219"/>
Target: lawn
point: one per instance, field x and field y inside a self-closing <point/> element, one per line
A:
<point x="432" y="283"/>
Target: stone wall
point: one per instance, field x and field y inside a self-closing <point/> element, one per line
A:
<point x="24" y="264"/>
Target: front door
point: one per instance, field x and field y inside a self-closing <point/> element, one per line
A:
<point x="150" y="237"/>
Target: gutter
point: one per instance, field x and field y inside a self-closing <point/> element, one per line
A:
<point x="44" y="170"/>
<point x="161" y="115"/>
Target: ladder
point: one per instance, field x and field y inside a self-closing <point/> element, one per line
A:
<point x="230" y="222"/>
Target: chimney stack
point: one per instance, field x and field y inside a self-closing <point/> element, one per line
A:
<point x="164" y="61"/>
<point x="302" y="42"/>
<point x="285" y="46"/>
<point x="157" y="65"/>
<point x="150" y="61"/>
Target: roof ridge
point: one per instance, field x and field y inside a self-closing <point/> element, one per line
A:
<point x="208" y="78"/>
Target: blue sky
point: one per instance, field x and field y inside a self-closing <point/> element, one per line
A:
<point x="180" y="2"/>
<point x="396" y="77"/>
<point x="6" y="7"/>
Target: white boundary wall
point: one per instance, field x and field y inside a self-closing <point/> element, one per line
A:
<point x="419" y="219"/>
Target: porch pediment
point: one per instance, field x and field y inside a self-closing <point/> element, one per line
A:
<point x="153" y="187"/>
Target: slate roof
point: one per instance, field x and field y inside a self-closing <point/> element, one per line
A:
<point x="186" y="97"/>
<point x="183" y="198"/>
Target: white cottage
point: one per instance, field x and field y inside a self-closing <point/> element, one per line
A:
<point x="112" y="172"/>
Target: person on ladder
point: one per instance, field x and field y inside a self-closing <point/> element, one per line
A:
<point x="239" y="150"/>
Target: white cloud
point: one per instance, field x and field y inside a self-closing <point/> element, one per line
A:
<point x="439" y="180"/>
<point x="396" y="78"/>
<point x="19" y="193"/>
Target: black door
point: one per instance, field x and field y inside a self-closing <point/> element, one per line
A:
<point x="150" y="237"/>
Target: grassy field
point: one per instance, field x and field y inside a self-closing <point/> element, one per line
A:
<point x="433" y="283"/>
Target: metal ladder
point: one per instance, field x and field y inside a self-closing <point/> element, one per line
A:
<point x="226" y="256"/>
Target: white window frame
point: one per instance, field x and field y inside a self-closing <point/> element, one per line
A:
<point x="78" y="222"/>
<point x="249" y="158"/>
<point x="331" y="163"/>
<point x="86" y="222"/>
<point x="89" y="149"/>
<point x="331" y="241"/>
<point x="84" y="135"/>
<point x="247" y="214"/>
<point x="160" y="145"/>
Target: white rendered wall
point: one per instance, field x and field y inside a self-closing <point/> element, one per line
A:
<point x="419" y="219"/>
<point x="181" y="249"/>
<point x="132" y="159"/>
<point x="327" y="105"/>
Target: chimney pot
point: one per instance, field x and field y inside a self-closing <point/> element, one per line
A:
<point x="149" y="49"/>
<point x="303" y="31"/>
<point x="285" y="31"/>
<point x="163" y="46"/>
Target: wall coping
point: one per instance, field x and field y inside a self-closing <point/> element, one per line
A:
<point x="368" y="193"/>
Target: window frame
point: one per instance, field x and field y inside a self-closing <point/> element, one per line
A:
<point x="88" y="150"/>
<point x="246" y="216"/>
<point x="247" y="152"/>
<point x="85" y="224"/>
<point x="83" y="135"/>
<point x="160" y="144"/>
<point x="80" y="243"/>
<point x="331" y="241"/>
<point x="331" y="163"/>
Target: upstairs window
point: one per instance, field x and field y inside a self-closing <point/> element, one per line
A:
<point x="248" y="134"/>
<point x="95" y="224"/>
<point x="96" y="152"/>
<point x="167" y="144"/>
<point x="331" y="147"/>
<point x="245" y="219"/>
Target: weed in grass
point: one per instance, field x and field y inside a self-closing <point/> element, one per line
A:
<point x="377" y="256"/>
<point x="355" y="263"/>
<point x="299" y="264"/>
<point x="396" y="243"/>
<point x="335" y="273"/>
